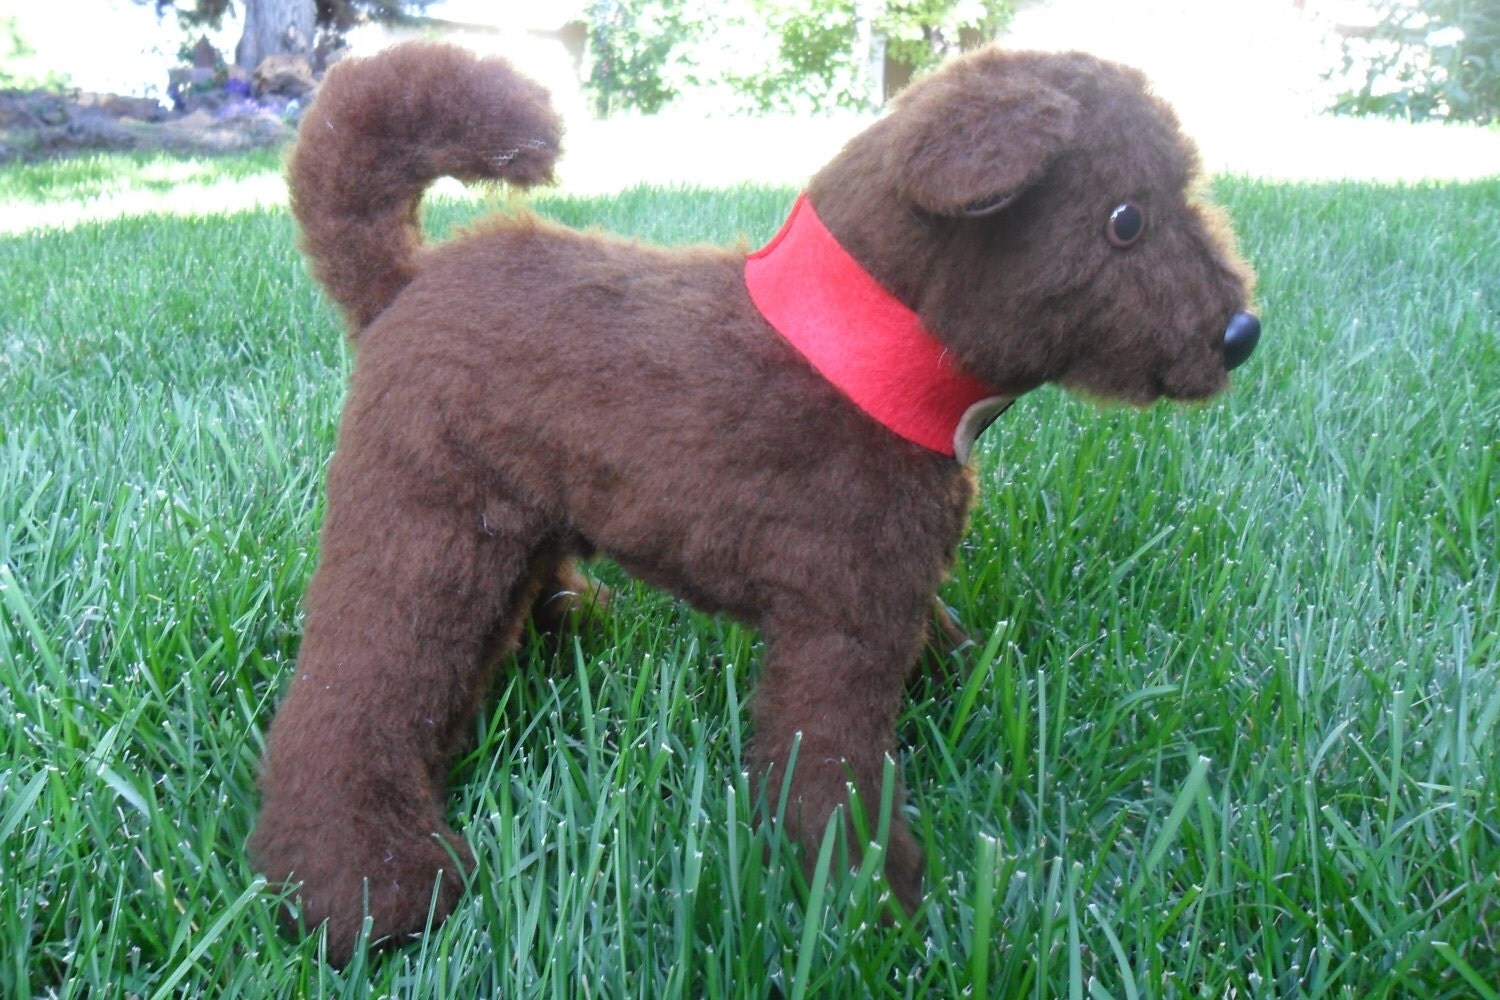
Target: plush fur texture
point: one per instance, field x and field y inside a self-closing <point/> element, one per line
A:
<point x="526" y="394"/>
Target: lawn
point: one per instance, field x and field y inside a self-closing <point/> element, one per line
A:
<point x="1230" y="728"/>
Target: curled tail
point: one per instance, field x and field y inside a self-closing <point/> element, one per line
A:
<point x="380" y="131"/>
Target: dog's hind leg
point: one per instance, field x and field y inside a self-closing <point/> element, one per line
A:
<point x="421" y="581"/>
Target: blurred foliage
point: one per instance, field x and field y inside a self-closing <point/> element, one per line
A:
<point x="15" y="74"/>
<point x="921" y="33"/>
<point x="1426" y="59"/>
<point x="811" y="55"/>
<point x="816" y="61"/>
<point x="631" y="45"/>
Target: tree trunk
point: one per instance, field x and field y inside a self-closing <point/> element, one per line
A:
<point x="869" y="53"/>
<point x="274" y="26"/>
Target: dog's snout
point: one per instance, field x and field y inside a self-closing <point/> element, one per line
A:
<point x="1240" y="338"/>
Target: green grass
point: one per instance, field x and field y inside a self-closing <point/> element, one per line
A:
<point x="74" y="178"/>
<point x="1229" y="729"/>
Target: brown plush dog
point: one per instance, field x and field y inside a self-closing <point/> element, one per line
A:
<point x="780" y="439"/>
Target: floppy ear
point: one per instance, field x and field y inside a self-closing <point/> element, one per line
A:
<point x="969" y="143"/>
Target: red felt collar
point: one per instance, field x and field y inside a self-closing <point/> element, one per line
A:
<point x="863" y="340"/>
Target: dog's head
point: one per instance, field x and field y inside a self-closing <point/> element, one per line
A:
<point x="1040" y="212"/>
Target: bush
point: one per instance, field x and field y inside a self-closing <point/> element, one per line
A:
<point x="632" y="44"/>
<point x="815" y="66"/>
<point x="1427" y="59"/>
<point x="801" y="55"/>
<point x="16" y="71"/>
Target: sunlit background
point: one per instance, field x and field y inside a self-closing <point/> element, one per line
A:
<point x="1248" y="78"/>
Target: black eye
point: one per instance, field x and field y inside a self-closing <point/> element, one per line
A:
<point x="1126" y="224"/>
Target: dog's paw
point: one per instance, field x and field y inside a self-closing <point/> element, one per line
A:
<point x="820" y="796"/>
<point x="944" y="651"/>
<point x="905" y="866"/>
<point x="338" y="876"/>
<point x="569" y="602"/>
<point x="903" y="863"/>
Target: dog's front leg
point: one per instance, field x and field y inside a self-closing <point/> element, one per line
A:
<point x="835" y="697"/>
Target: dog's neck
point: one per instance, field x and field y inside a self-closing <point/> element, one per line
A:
<point x="861" y="338"/>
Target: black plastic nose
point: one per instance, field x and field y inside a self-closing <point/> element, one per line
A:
<point x="1240" y="338"/>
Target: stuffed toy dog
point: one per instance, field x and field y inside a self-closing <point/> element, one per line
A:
<point x="780" y="438"/>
